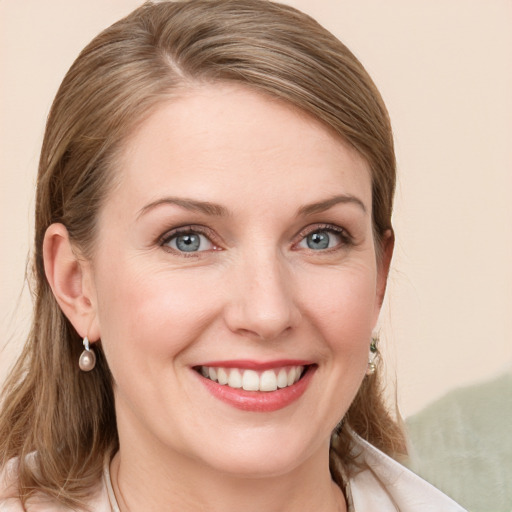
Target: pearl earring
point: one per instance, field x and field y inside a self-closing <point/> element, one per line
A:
<point x="87" y="359"/>
<point x="372" y="365"/>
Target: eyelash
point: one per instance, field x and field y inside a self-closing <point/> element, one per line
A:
<point x="187" y="230"/>
<point x="346" y="238"/>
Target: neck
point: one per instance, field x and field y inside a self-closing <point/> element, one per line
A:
<point x="145" y="482"/>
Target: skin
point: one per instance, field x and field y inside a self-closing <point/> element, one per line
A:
<point x="255" y="291"/>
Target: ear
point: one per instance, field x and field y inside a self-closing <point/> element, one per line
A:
<point x="70" y="278"/>
<point x="385" y="254"/>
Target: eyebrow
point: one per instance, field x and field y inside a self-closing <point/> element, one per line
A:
<point x="188" y="204"/>
<point x="217" y="210"/>
<point x="322" y="206"/>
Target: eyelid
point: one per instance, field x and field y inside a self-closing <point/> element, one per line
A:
<point x="186" y="229"/>
<point x="341" y="232"/>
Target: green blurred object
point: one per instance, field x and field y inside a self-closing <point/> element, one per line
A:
<point x="462" y="444"/>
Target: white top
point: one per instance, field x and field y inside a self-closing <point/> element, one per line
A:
<point x="382" y="485"/>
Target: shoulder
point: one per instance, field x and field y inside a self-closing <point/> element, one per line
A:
<point x="10" y="505"/>
<point x="8" y="488"/>
<point x="462" y="443"/>
<point x="8" y="480"/>
<point x="484" y="406"/>
<point x="9" y="495"/>
<point x="384" y="484"/>
<point x="10" y="501"/>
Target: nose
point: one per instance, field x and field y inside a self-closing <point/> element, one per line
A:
<point x="263" y="304"/>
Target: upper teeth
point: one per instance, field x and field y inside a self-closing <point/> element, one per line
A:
<point x="251" y="380"/>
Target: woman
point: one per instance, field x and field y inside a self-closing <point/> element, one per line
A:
<point x="213" y="236"/>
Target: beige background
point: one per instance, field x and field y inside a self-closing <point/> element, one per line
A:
<point x="444" y="68"/>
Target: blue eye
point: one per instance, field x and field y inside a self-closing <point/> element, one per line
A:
<point x="321" y="239"/>
<point x="189" y="242"/>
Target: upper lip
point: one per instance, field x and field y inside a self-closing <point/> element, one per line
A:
<point x="248" y="364"/>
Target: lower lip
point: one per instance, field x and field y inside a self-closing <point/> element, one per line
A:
<point x="259" y="401"/>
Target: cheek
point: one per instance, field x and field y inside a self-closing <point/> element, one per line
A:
<point x="149" y="313"/>
<point x="341" y="308"/>
<point x="342" y="305"/>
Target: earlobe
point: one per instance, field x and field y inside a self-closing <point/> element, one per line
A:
<point x="70" y="280"/>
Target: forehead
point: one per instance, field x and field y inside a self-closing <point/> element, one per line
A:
<point x="227" y="138"/>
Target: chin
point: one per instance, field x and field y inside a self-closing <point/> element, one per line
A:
<point x="263" y="454"/>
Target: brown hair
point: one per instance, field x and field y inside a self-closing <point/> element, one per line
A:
<point x="49" y="407"/>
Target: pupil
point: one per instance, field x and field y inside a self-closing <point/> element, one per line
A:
<point x="188" y="243"/>
<point x="319" y="240"/>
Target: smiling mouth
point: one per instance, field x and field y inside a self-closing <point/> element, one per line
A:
<point x="252" y="380"/>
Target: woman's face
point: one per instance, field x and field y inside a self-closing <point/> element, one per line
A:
<point x="237" y="246"/>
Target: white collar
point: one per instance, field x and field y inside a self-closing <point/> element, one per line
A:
<point x="385" y="485"/>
